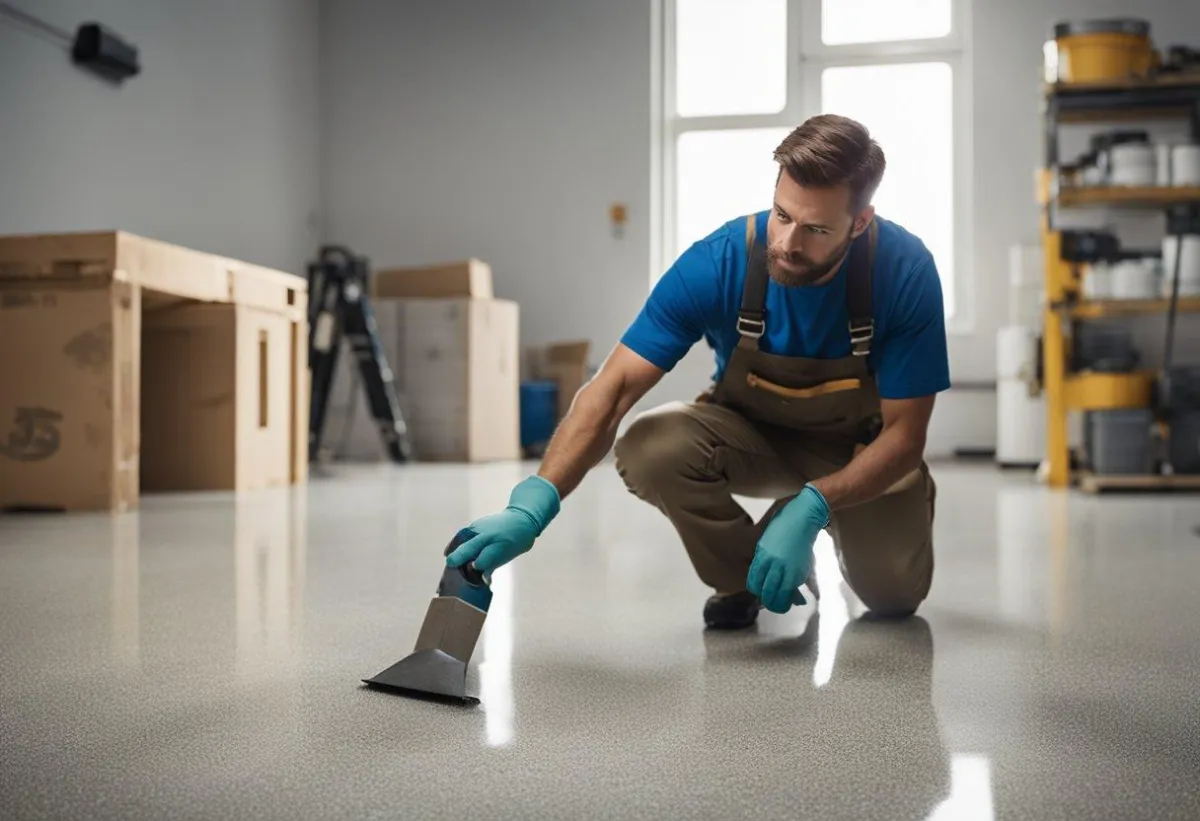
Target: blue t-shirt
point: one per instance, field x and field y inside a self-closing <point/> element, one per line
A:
<point x="700" y="295"/>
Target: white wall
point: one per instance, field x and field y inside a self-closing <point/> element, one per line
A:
<point x="504" y="129"/>
<point x="215" y="145"/>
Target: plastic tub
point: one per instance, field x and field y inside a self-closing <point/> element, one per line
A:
<point x="1185" y="442"/>
<point x="1185" y="388"/>
<point x="539" y="413"/>
<point x="1099" y="51"/>
<point x="1108" y="344"/>
<point x="1119" y="441"/>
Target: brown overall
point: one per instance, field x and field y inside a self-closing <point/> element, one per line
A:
<point x="770" y="425"/>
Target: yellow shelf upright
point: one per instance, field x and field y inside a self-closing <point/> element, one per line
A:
<point x="1059" y="282"/>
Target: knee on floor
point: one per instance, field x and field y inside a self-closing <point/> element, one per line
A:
<point x="890" y="605"/>
<point x="657" y="444"/>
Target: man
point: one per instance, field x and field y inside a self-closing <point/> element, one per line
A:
<point x="828" y="330"/>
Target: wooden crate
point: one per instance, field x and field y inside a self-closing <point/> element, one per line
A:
<point x="129" y="365"/>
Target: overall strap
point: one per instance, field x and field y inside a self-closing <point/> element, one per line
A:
<point x="751" y="322"/>
<point x="859" y="304"/>
<point x="752" y="318"/>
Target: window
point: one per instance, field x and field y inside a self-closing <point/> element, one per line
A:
<point x="878" y="21"/>
<point x="730" y="63"/>
<point x="918" y="186"/>
<point x="740" y="74"/>
<point x="722" y="174"/>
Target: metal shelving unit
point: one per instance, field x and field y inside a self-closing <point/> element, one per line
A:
<point x="1171" y="96"/>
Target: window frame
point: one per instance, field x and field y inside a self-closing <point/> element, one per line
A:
<point x="807" y="59"/>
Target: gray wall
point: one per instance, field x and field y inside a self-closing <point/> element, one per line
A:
<point x="214" y="146"/>
<point x="500" y="130"/>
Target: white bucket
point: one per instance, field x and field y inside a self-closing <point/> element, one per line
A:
<point x="1135" y="279"/>
<point x="1016" y="352"/>
<point x="1162" y="164"/>
<point x="1133" y="164"/>
<point x="1098" y="281"/>
<point x="1020" y="424"/>
<point x="1185" y="165"/>
<point x="1189" y="264"/>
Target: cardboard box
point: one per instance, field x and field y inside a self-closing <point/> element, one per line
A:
<point x="469" y="279"/>
<point x="455" y="364"/>
<point x="218" y="398"/>
<point x="69" y="397"/>
<point x="119" y="353"/>
<point x="456" y="368"/>
<point x="565" y="363"/>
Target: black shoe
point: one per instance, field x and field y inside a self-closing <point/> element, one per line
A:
<point x="735" y="611"/>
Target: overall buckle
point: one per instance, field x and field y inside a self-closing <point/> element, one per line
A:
<point x="753" y="328"/>
<point x="861" y="336"/>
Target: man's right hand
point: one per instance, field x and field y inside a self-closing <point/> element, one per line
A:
<point x="579" y="443"/>
<point x="502" y="537"/>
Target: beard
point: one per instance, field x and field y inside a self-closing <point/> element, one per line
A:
<point x="810" y="271"/>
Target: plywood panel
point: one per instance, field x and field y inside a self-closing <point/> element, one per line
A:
<point x="127" y="400"/>
<point x="300" y="403"/>
<point x="264" y="406"/>
<point x="57" y="255"/>
<point x="493" y="408"/>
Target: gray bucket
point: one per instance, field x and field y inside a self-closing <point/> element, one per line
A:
<point x="1107" y="348"/>
<point x="1185" y="388"/>
<point x="1185" y="442"/>
<point x="1120" y="443"/>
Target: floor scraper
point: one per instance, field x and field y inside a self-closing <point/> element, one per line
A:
<point x="437" y="667"/>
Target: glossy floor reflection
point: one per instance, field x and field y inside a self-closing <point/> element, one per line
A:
<point x="201" y="659"/>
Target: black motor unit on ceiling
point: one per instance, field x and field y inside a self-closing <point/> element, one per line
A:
<point x="93" y="47"/>
<point x="100" y="50"/>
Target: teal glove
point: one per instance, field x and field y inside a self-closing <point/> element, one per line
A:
<point x="784" y="553"/>
<point x="501" y="537"/>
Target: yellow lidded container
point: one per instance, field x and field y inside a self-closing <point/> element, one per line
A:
<point x="1099" y="51"/>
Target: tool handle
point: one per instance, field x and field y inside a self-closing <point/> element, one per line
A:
<point x="469" y="572"/>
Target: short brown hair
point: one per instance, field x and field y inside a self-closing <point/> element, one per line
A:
<point x="828" y="151"/>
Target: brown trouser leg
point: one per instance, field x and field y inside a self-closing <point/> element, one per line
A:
<point x="689" y="459"/>
<point x="885" y="548"/>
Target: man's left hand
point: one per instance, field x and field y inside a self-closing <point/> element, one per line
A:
<point x="784" y="554"/>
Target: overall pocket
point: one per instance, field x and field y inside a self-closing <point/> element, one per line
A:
<point x="823" y="406"/>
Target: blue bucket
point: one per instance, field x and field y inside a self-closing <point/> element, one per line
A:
<point x="539" y="413"/>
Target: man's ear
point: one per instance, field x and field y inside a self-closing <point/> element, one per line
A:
<point x="863" y="219"/>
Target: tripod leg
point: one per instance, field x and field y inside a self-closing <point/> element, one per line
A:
<point x="325" y="341"/>
<point x="361" y="330"/>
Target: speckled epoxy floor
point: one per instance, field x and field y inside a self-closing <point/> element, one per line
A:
<point x="201" y="659"/>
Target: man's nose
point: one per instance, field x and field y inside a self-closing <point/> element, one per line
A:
<point x="792" y="241"/>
